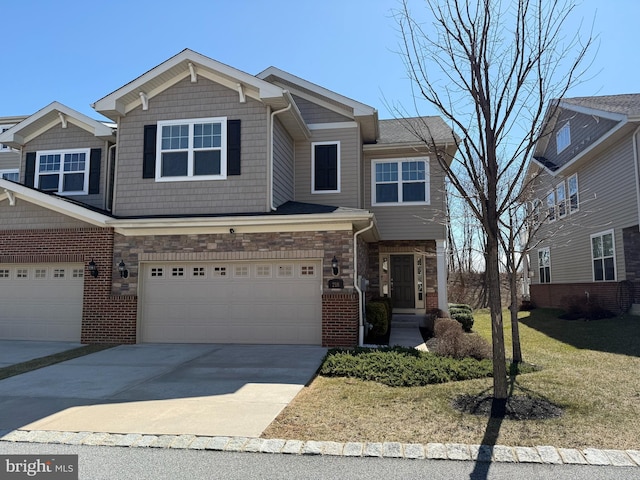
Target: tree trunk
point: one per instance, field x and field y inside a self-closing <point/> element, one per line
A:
<point x="495" y="305"/>
<point x="515" y="329"/>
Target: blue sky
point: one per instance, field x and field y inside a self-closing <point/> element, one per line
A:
<point x="77" y="51"/>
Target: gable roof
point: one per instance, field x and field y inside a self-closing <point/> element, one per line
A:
<point x="185" y="64"/>
<point x="53" y="114"/>
<point x="366" y="115"/>
<point x="625" y="104"/>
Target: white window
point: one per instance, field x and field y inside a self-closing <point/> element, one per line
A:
<point x="307" y="271"/>
<point x="535" y="212"/>
<point x="193" y="149"/>
<point x="395" y="182"/>
<point x="241" y="271"/>
<point x="58" y="273"/>
<point x="572" y="182"/>
<point x="285" y="271"/>
<point x="603" y="253"/>
<point x="63" y="171"/>
<point x="325" y="167"/>
<point x="561" y="200"/>
<point x="219" y="271"/>
<point x="551" y="206"/>
<point x="563" y="138"/>
<point x="22" y="273"/>
<point x="12" y="174"/>
<point x="77" y="273"/>
<point x="177" y="272"/>
<point x="544" y="265"/>
<point x="263" y="271"/>
<point x="41" y="273"/>
<point x="157" y="272"/>
<point x="198" y="272"/>
<point x="4" y="273"/>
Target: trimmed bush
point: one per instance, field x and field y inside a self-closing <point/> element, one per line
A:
<point x="442" y="325"/>
<point x="454" y="342"/>
<point x="377" y="315"/>
<point x="463" y="314"/>
<point x="402" y="367"/>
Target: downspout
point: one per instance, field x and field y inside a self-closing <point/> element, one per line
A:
<point x="355" y="283"/>
<point x="108" y="188"/>
<point x="271" y="149"/>
<point x="637" y="169"/>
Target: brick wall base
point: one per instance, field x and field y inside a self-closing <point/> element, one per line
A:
<point x="613" y="296"/>
<point x="340" y="320"/>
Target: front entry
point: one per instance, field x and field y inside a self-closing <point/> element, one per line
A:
<point x="402" y="287"/>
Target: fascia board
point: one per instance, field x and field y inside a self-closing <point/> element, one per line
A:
<point x="110" y="102"/>
<point x="54" y="204"/>
<point x="359" y="109"/>
<point x="592" y="111"/>
<point x="15" y="134"/>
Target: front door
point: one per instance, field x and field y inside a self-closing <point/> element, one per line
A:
<point x="402" y="288"/>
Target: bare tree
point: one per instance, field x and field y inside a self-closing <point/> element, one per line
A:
<point x="490" y="68"/>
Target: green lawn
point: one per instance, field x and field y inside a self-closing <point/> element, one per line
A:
<point x="589" y="368"/>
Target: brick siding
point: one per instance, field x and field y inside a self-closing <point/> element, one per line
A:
<point x="340" y="320"/>
<point x="560" y="295"/>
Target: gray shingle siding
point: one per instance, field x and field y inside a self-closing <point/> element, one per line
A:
<point x="312" y="113"/>
<point x="26" y="216"/>
<point x="237" y="194"/>
<point x="9" y="159"/>
<point x="283" y="169"/>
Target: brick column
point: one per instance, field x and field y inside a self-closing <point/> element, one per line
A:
<point x="340" y="320"/>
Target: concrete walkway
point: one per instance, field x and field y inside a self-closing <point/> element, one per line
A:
<point x="405" y="332"/>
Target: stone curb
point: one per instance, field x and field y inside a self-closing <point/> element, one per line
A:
<point x="413" y="451"/>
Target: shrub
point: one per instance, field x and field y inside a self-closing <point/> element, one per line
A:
<point x="454" y="342"/>
<point x="463" y="314"/>
<point x="402" y="367"/>
<point x="578" y="307"/>
<point x="378" y="316"/>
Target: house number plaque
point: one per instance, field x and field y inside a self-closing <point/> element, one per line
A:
<point x="336" y="283"/>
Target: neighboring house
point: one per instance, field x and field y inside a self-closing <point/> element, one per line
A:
<point x="586" y="194"/>
<point x="9" y="157"/>
<point x="218" y="207"/>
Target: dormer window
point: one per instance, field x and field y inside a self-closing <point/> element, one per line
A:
<point x="563" y="138"/>
<point x="63" y="171"/>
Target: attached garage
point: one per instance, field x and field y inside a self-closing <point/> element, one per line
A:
<point x="41" y="301"/>
<point x="269" y="302"/>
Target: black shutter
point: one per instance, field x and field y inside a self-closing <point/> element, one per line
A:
<point x="30" y="169"/>
<point x="326" y="167"/>
<point x="233" y="147"/>
<point x="149" y="152"/>
<point x="94" y="170"/>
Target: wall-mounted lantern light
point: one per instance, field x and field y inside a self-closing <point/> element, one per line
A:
<point x="334" y="265"/>
<point x="122" y="268"/>
<point x="93" y="268"/>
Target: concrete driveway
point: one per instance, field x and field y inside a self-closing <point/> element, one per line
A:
<point x="228" y="390"/>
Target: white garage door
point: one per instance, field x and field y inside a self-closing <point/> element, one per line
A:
<point x="41" y="302"/>
<point x="259" y="302"/>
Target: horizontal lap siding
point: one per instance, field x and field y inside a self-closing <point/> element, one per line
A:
<point x="58" y="138"/>
<point x="185" y="100"/>
<point x="410" y="222"/>
<point x="283" y="171"/>
<point x="26" y="216"/>
<point x="607" y="196"/>
<point x="9" y="159"/>
<point x="350" y="148"/>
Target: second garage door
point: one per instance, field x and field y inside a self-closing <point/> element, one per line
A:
<point x="274" y="302"/>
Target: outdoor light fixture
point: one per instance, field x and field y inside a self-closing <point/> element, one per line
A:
<point x="334" y="265"/>
<point x="93" y="268"/>
<point x="122" y="268"/>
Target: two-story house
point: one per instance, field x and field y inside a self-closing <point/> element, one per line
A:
<point x="218" y="206"/>
<point x="586" y="201"/>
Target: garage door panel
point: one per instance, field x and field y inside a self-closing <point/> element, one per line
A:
<point x="41" y="302"/>
<point x="263" y="302"/>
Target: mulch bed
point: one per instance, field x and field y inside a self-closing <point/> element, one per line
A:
<point x="516" y="407"/>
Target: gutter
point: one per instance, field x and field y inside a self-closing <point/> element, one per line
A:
<point x="355" y="283"/>
<point x="271" y="149"/>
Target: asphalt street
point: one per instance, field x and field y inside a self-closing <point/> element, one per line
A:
<point x="115" y="463"/>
